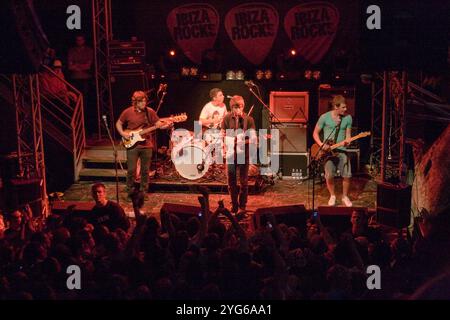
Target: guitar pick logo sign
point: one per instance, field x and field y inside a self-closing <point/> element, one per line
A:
<point x="194" y="28"/>
<point x="312" y="28"/>
<point x="252" y="28"/>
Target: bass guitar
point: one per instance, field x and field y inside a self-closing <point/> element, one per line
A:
<point x="136" y="135"/>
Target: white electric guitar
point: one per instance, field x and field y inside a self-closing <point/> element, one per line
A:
<point x="136" y="135"/>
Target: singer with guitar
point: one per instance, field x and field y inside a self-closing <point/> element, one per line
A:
<point x="235" y="120"/>
<point x="337" y="127"/>
<point x="136" y="117"/>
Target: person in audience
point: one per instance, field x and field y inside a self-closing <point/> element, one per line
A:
<point x="106" y="212"/>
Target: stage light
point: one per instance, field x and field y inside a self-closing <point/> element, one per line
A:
<point x="230" y="75"/>
<point x="172" y="53"/>
<point x="268" y="74"/>
<point x="293" y="52"/>
<point x="316" y="75"/>
<point x="193" y="72"/>
<point x="308" y="74"/>
<point x="240" y="75"/>
<point x="184" y="71"/>
<point x="259" y="74"/>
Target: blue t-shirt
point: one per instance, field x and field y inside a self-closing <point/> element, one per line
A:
<point x="328" y="125"/>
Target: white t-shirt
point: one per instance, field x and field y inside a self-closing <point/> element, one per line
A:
<point x="211" y="111"/>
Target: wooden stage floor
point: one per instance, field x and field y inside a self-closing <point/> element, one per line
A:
<point x="283" y="192"/>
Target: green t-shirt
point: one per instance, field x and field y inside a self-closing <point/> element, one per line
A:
<point x="328" y="125"/>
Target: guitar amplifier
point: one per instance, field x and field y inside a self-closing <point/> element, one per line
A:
<point x="289" y="106"/>
<point x="292" y="137"/>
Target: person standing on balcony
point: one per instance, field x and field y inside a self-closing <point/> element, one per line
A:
<point x="80" y="60"/>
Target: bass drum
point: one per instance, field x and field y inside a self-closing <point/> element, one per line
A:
<point x="189" y="161"/>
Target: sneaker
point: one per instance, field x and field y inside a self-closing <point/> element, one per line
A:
<point x="347" y="202"/>
<point x="332" y="201"/>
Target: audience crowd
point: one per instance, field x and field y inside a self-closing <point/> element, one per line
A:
<point x="210" y="256"/>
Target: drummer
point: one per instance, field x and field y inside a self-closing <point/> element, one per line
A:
<point x="213" y="112"/>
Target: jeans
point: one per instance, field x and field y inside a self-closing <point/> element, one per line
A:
<point x="232" y="184"/>
<point x="145" y="154"/>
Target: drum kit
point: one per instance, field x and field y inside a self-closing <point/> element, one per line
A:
<point x="195" y="158"/>
<point x="192" y="157"/>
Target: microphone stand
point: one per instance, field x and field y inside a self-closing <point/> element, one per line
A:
<point x="271" y="115"/>
<point x="115" y="158"/>
<point x="161" y="87"/>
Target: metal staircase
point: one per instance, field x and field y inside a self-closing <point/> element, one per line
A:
<point x="61" y="121"/>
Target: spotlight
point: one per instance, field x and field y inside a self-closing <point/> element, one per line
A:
<point x="240" y="75"/>
<point x="293" y="52"/>
<point x="230" y="75"/>
<point x="184" y="71"/>
<point x="172" y="53"/>
<point x="308" y="74"/>
<point x="193" y="71"/>
<point x="259" y="74"/>
<point x="268" y="74"/>
<point x="316" y="75"/>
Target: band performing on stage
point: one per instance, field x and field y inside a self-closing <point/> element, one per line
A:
<point x="225" y="137"/>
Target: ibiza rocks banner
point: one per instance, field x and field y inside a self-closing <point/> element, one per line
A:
<point x="194" y="28"/>
<point x="312" y="27"/>
<point x="252" y="27"/>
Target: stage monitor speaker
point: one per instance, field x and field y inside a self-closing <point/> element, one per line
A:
<point x="292" y="137"/>
<point x="23" y="44"/>
<point x="327" y="94"/>
<point x="289" y="106"/>
<point x="337" y="218"/>
<point x="183" y="212"/>
<point x="394" y="205"/>
<point x="122" y="88"/>
<point x="294" y="215"/>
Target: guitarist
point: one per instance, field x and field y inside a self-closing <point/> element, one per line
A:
<point x="336" y="126"/>
<point x="135" y="117"/>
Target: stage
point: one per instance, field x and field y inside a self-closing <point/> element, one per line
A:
<point x="283" y="193"/>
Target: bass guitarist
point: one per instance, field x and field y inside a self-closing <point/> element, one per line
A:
<point x="336" y="126"/>
<point x="135" y="117"/>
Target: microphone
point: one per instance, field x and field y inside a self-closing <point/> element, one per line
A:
<point x="229" y="97"/>
<point x="250" y="84"/>
<point x="104" y="119"/>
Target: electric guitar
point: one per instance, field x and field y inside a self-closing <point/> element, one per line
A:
<point x="318" y="154"/>
<point x="136" y="135"/>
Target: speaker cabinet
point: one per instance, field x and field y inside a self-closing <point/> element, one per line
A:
<point x="337" y="218"/>
<point x="294" y="215"/>
<point x="293" y="137"/>
<point x="327" y="94"/>
<point x="394" y="205"/>
<point x="122" y="88"/>
<point x="289" y="106"/>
